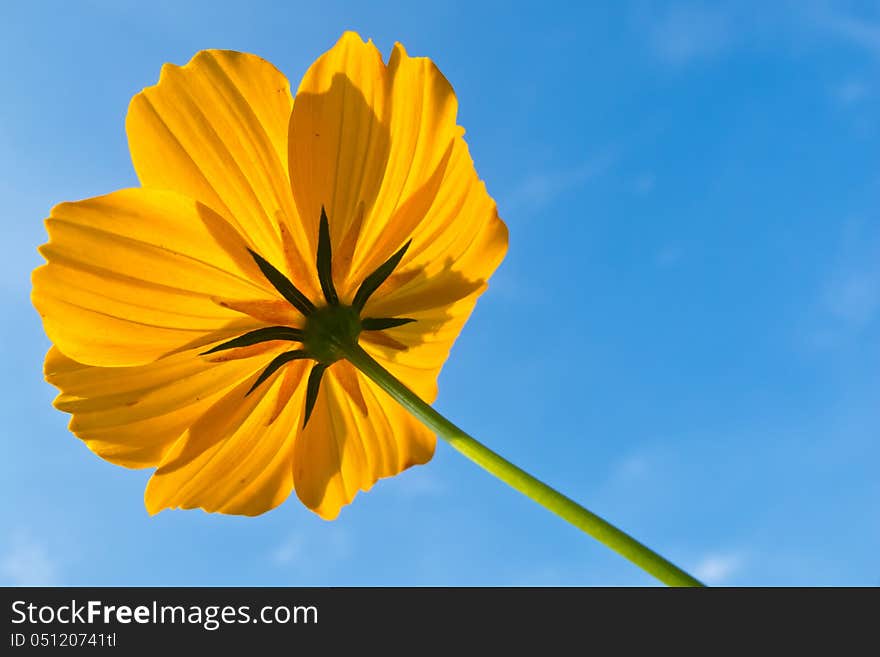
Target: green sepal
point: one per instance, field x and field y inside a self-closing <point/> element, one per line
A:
<point x="373" y="281"/>
<point x="382" y="323"/>
<point x="278" y="361"/>
<point x="259" y="335"/>
<point x="312" y="388"/>
<point x="325" y="259"/>
<point x="281" y="283"/>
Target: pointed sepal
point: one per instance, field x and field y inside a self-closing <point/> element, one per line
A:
<point x="373" y="281"/>
<point x="259" y="335"/>
<point x="283" y="284"/>
<point x="382" y="323"/>
<point x="325" y="261"/>
<point x="278" y="361"/>
<point x="312" y="388"/>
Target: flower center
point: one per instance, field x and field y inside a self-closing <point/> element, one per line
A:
<point x="330" y="330"/>
<point x="329" y="327"/>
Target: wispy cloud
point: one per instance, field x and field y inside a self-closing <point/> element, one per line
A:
<point x="288" y="551"/>
<point x="847" y="306"/>
<point x="629" y="478"/>
<point x="685" y="33"/>
<point x="857" y="30"/>
<point x="306" y="551"/>
<point x="418" y="482"/>
<point x="541" y="188"/>
<point x="27" y="562"/>
<point x="668" y="255"/>
<point x="719" y="568"/>
<point x="689" y="32"/>
<point x="633" y="467"/>
<point x="851" y="92"/>
<point x="645" y="183"/>
<point x="853" y="296"/>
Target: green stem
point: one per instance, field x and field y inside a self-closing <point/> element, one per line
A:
<point x="550" y="499"/>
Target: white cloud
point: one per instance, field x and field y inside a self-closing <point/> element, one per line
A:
<point x="418" y="482"/>
<point x="851" y="92"/>
<point x="686" y="33"/>
<point x="851" y="294"/>
<point x="541" y="188"/>
<point x="633" y="467"/>
<point x="288" y="551"/>
<point x="854" y="296"/>
<point x="718" y="568"/>
<point x="847" y="306"/>
<point x="859" y="31"/>
<point x="629" y="477"/>
<point x="27" y="563"/>
<point x="645" y="183"/>
<point x="668" y="255"/>
<point x="307" y="552"/>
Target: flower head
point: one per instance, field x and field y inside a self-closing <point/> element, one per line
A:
<point x="194" y="318"/>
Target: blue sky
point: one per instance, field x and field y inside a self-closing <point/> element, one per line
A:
<point x="692" y="195"/>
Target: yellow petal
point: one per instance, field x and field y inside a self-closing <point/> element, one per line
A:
<point x="132" y="415"/>
<point x="216" y="130"/>
<point x="422" y="129"/>
<point x="339" y="142"/>
<point x="344" y="450"/>
<point x="236" y="458"/>
<point x="379" y="148"/>
<point x="456" y="248"/>
<point x="276" y="312"/>
<point x="370" y="143"/>
<point x="133" y="275"/>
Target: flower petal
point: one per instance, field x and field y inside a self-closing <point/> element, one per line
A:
<point x="339" y="143"/>
<point x="216" y="130"/>
<point x="132" y="415"/>
<point x="351" y="442"/>
<point x="393" y="131"/>
<point x="236" y="458"/>
<point x="132" y="276"/>
<point x="422" y="128"/>
<point x="456" y="248"/>
<point x="369" y="143"/>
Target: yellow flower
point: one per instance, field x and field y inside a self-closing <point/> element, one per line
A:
<point x="187" y="314"/>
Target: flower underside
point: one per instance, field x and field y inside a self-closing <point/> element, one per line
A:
<point x="328" y="328"/>
<point x="236" y="168"/>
